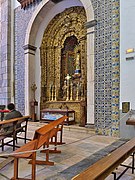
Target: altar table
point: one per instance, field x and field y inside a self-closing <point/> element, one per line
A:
<point x="48" y="115"/>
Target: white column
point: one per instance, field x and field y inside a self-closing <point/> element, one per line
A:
<point x="29" y="75"/>
<point x="90" y="76"/>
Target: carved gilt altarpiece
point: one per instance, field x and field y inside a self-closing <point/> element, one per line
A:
<point x="64" y="55"/>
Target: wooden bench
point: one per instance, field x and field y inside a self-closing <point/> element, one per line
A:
<point x="19" y="125"/>
<point x="105" y="166"/>
<point x="42" y="137"/>
<point x="130" y="122"/>
<point x="54" y="127"/>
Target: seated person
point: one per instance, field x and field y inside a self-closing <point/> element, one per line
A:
<point x="11" y="115"/>
<point x="13" y="112"/>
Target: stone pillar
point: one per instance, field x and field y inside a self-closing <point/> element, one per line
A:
<point x="5" y="51"/>
<point x="90" y="72"/>
<point x="90" y="77"/>
<point x="29" y="75"/>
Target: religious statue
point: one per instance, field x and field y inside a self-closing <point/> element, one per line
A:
<point x="77" y="73"/>
<point x="78" y="61"/>
<point x="33" y="88"/>
<point x="68" y="77"/>
<point x="64" y="89"/>
<point x="33" y="103"/>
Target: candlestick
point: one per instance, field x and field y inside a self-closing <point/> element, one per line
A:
<point x="71" y="92"/>
<point x="77" y="93"/>
<point x="55" y="93"/>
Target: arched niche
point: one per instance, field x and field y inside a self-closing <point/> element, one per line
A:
<point x="39" y="21"/>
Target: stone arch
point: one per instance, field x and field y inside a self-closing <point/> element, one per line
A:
<point x="45" y="11"/>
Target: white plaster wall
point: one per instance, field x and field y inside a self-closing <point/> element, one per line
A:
<point x="127" y="40"/>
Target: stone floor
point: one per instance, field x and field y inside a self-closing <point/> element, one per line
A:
<point x="81" y="143"/>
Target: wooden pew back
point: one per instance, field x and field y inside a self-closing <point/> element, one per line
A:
<point x="105" y="166"/>
<point x="41" y="137"/>
<point x="48" y="130"/>
<point x="19" y="124"/>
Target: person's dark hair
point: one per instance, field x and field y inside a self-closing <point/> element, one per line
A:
<point x="11" y="106"/>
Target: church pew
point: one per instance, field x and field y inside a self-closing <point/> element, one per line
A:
<point x="41" y="137"/>
<point x="55" y="127"/>
<point x="130" y="122"/>
<point x="22" y="121"/>
<point x="105" y="166"/>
